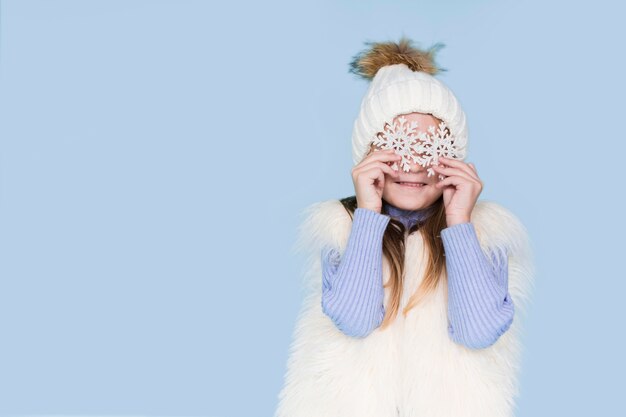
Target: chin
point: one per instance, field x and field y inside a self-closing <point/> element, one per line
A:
<point x="411" y="199"/>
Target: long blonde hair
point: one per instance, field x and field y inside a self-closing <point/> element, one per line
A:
<point x="393" y="251"/>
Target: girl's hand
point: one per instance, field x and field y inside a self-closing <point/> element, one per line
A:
<point x="368" y="177"/>
<point x="461" y="189"/>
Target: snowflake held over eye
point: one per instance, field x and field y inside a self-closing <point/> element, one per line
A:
<point x="438" y="143"/>
<point x="399" y="137"/>
<point x="418" y="147"/>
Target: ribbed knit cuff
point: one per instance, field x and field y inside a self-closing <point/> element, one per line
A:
<point x="462" y="246"/>
<point x="353" y="292"/>
<point x="479" y="306"/>
<point x="371" y="219"/>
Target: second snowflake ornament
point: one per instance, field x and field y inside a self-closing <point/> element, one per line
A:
<point x="417" y="146"/>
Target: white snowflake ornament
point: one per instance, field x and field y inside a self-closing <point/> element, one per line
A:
<point x="402" y="139"/>
<point x="418" y="147"/>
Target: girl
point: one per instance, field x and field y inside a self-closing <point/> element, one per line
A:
<point x="415" y="286"/>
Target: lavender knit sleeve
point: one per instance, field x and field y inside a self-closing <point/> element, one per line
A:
<point x="352" y="288"/>
<point x="480" y="308"/>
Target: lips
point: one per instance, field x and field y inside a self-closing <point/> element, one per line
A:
<point x="415" y="184"/>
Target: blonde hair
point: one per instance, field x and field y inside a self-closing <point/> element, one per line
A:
<point x="394" y="252"/>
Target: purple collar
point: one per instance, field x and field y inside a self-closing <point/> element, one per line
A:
<point x="407" y="217"/>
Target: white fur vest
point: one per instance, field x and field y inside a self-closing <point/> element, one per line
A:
<point x="412" y="368"/>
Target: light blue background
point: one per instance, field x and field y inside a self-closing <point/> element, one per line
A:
<point x="155" y="157"/>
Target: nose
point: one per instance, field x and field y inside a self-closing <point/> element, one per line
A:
<point x="416" y="168"/>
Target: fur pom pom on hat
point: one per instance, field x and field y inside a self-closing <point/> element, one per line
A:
<point x="402" y="81"/>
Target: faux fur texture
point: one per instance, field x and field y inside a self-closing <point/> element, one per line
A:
<point x="412" y="368"/>
<point x="379" y="54"/>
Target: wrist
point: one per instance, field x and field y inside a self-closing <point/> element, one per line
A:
<point x="457" y="220"/>
<point x="377" y="209"/>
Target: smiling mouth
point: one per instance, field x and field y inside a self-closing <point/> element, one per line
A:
<point x="411" y="184"/>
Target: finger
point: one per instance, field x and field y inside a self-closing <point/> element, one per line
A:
<point x="453" y="180"/>
<point x="448" y="171"/>
<point x="460" y="165"/>
<point x="382" y="155"/>
<point x="474" y="169"/>
<point x="455" y="163"/>
<point x="379" y="166"/>
<point x="469" y="173"/>
<point x="375" y="174"/>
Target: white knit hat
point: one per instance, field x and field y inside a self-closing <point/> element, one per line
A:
<point x="402" y="82"/>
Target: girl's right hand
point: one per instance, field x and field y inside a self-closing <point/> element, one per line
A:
<point x="368" y="177"/>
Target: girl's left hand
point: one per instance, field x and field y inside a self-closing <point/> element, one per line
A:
<point x="461" y="189"/>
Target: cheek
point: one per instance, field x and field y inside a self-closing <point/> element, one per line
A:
<point x="437" y="191"/>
